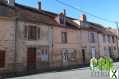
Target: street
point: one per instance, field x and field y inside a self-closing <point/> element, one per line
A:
<point x="80" y="73"/>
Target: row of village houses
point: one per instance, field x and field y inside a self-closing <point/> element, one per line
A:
<point x="32" y="38"/>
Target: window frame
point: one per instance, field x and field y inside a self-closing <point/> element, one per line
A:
<point x="64" y="37"/>
<point x="28" y="31"/>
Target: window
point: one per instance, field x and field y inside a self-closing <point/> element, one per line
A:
<point x="38" y="33"/>
<point x="93" y="52"/>
<point x="110" y="52"/>
<point x="109" y="39"/>
<point x="61" y="18"/>
<point x="104" y="38"/>
<point x="114" y="48"/>
<point x="92" y="37"/>
<point x="113" y="39"/>
<point x="64" y="37"/>
<point x="44" y="55"/>
<point x="32" y="32"/>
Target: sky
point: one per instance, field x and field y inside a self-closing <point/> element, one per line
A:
<point x="106" y="9"/>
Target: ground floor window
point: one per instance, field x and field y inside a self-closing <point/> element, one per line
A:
<point x="44" y="54"/>
<point x="68" y="55"/>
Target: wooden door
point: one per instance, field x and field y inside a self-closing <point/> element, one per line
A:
<point x="2" y="58"/>
<point x="31" y="58"/>
<point x="83" y="56"/>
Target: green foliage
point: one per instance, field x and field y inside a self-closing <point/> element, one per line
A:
<point x="103" y="63"/>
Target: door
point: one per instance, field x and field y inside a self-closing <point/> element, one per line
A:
<point x="31" y="58"/>
<point x="83" y="56"/>
<point x="2" y="59"/>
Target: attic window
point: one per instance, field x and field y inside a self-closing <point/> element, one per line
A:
<point x="61" y="18"/>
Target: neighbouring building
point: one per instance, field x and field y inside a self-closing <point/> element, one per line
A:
<point x="96" y="40"/>
<point x="65" y="50"/>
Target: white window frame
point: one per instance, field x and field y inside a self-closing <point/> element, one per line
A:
<point x="93" y="52"/>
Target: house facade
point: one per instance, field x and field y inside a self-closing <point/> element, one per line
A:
<point x="33" y="39"/>
<point x="65" y="51"/>
<point x="25" y="41"/>
<point x="96" y="41"/>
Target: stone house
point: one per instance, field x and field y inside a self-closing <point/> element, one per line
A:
<point x="65" y="49"/>
<point x="96" y="40"/>
<point x="33" y="39"/>
<point x="24" y="36"/>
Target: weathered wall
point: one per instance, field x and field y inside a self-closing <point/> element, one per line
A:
<point x="7" y="41"/>
<point x="58" y="46"/>
<point x="24" y="44"/>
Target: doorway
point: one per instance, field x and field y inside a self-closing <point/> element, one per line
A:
<point x="83" y="56"/>
<point x="2" y="58"/>
<point x="31" y="59"/>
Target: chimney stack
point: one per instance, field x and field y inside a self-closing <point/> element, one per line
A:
<point x="39" y="5"/>
<point x="83" y="18"/>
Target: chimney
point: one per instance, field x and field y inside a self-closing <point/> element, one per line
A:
<point x="39" y="5"/>
<point x="64" y="17"/>
<point x="83" y="18"/>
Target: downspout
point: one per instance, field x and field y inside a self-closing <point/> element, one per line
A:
<point x="50" y="44"/>
<point x="98" y="34"/>
<point x="15" y="51"/>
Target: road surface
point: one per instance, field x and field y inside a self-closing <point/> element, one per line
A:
<point x="80" y="73"/>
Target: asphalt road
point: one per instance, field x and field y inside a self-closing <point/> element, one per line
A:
<point x="81" y="73"/>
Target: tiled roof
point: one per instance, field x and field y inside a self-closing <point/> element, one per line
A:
<point x="25" y="13"/>
<point x="31" y="14"/>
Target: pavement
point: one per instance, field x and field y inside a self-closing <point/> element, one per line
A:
<point x="80" y="73"/>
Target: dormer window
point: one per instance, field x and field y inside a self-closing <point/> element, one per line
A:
<point x="61" y="18"/>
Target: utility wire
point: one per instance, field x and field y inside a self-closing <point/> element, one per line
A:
<point x="65" y="4"/>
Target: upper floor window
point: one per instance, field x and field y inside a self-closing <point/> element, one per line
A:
<point x="64" y="37"/>
<point x="109" y="39"/>
<point x="104" y="38"/>
<point x="32" y="32"/>
<point x="113" y="39"/>
<point x="92" y="37"/>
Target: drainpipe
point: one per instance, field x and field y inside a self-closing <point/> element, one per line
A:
<point x="16" y="35"/>
<point x="98" y="34"/>
<point x="50" y="43"/>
